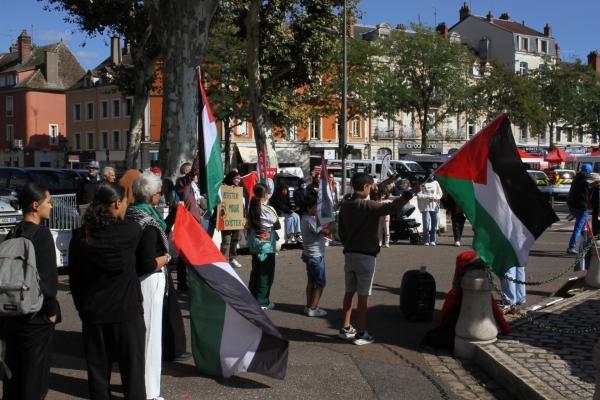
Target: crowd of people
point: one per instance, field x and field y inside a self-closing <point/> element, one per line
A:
<point x="119" y="264"/>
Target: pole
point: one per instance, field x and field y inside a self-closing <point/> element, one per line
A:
<point x="393" y="140"/>
<point x="344" y="104"/>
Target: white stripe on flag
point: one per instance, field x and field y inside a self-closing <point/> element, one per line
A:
<point x="240" y="336"/>
<point x="492" y="199"/>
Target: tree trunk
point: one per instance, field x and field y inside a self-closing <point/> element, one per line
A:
<point x="182" y="31"/>
<point x="260" y="121"/>
<point x="136" y="124"/>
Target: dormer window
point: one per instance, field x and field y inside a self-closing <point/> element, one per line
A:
<point x="544" y="47"/>
<point x="87" y="82"/>
<point x="525" y="44"/>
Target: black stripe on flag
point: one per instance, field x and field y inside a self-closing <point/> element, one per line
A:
<point x="526" y="201"/>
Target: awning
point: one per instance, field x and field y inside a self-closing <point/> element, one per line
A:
<point x="284" y="155"/>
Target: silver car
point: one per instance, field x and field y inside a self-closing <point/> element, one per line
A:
<point x="10" y="213"/>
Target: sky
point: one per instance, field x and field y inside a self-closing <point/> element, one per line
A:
<point x="572" y="22"/>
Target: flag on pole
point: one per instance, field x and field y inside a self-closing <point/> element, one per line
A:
<point x="325" y="198"/>
<point x="488" y="180"/>
<point x="212" y="151"/>
<point x="249" y="181"/>
<point x="230" y="331"/>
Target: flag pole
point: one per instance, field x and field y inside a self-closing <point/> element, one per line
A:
<point x="202" y="184"/>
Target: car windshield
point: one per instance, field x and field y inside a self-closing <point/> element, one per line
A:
<point x="291" y="182"/>
<point x="414" y="167"/>
<point x="4" y="191"/>
<point x="566" y="174"/>
<point x="53" y="180"/>
<point x="539" y="177"/>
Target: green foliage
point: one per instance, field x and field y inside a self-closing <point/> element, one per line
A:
<point x="428" y="74"/>
<point x="504" y="89"/>
<point x="588" y="104"/>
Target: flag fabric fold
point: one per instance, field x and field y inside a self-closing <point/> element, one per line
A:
<point x="488" y="180"/>
<point x="325" y="197"/>
<point x="212" y="150"/>
<point x="230" y="331"/>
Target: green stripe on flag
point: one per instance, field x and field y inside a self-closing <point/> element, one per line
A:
<point x="489" y="242"/>
<point x="207" y="317"/>
<point x="214" y="175"/>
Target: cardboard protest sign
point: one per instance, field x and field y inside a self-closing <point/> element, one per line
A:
<point x="230" y="212"/>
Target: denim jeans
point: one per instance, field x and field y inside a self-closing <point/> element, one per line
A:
<point x="513" y="292"/>
<point x="580" y="218"/>
<point x="430" y="222"/>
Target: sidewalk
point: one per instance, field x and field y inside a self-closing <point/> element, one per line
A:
<point x="534" y="363"/>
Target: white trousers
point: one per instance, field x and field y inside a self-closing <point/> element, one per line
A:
<point x="153" y="290"/>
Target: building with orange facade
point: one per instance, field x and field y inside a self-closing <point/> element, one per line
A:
<point x="98" y="117"/>
<point x="33" y="81"/>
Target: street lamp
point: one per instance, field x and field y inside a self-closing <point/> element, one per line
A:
<point x="344" y="95"/>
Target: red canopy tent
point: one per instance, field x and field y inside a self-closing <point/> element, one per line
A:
<point x="595" y="153"/>
<point x="556" y="156"/>
<point x="522" y="154"/>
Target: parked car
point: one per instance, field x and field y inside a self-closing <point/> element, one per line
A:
<point x="541" y="180"/>
<point x="55" y="180"/>
<point x="76" y="174"/>
<point x="561" y="184"/>
<point x="292" y="181"/>
<point x="10" y="213"/>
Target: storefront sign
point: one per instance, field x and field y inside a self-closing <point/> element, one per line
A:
<point x="73" y="158"/>
<point x="576" y="150"/>
<point x="329" y="154"/>
<point x="413" y="146"/>
<point x="230" y="213"/>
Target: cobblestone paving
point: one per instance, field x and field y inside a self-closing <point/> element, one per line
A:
<point x="465" y="378"/>
<point x="564" y="362"/>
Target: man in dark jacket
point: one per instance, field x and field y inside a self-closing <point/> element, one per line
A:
<point x="357" y="229"/>
<point x="87" y="190"/>
<point x="577" y="201"/>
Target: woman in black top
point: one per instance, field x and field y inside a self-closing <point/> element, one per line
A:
<point x="152" y="258"/>
<point x="29" y="337"/>
<point x="106" y="292"/>
<point x="280" y="201"/>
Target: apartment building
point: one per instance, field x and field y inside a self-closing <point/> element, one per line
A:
<point x="33" y="82"/>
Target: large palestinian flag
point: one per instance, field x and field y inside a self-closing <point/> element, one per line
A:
<point x="213" y="162"/>
<point x="230" y="331"/>
<point x="488" y="180"/>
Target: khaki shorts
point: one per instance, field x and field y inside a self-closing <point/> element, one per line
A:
<point x="359" y="269"/>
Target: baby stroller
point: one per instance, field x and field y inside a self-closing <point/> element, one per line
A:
<point x="406" y="228"/>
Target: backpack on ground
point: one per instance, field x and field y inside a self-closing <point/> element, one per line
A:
<point x="20" y="291"/>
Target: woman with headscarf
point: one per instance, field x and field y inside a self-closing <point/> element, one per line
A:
<point x="299" y="195"/>
<point x="152" y="258"/>
<point x="230" y="238"/>
<point x="280" y="201"/>
<point x="443" y="334"/>
<point x="428" y="201"/>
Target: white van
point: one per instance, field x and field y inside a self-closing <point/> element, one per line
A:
<point x="373" y="167"/>
<point x="593" y="160"/>
<point x="428" y="160"/>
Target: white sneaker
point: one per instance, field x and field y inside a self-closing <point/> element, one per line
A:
<point x="425" y="244"/>
<point x="457" y="244"/>
<point x="317" y="312"/>
<point x="292" y="239"/>
<point x="433" y="243"/>
<point x="386" y="245"/>
<point x="234" y="263"/>
<point x="269" y="307"/>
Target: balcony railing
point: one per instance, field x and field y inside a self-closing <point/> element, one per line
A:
<point x="410" y="133"/>
<point x="385" y="134"/>
<point x="455" y="134"/>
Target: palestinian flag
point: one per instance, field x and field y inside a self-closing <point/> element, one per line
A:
<point x="488" y="180"/>
<point x="230" y="331"/>
<point x="212" y="150"/>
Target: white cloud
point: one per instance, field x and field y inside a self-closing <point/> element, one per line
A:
<point x="86" y="54"/>
<point x="54" y="36"/>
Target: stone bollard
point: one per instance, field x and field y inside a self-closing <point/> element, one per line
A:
<point x="597" y="365"/>
<point x="592" y="278"/>
<point x="476" y="324"/>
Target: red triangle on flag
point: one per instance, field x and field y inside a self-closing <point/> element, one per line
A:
<point x="192" y="242"/>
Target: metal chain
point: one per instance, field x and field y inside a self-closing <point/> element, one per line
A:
<point x="439" y="387"/>
<point x="518" y="282"/>
<point x="590" y="329"/>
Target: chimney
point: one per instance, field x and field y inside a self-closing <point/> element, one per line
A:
<point x="24" y="46"/>
<point x="594" y="61"/>
<point x="126" y="48"/>
<point x="490" y="17"/>
<point x="548" y="30"/>
<point x="115" y="46"/>
<point x="13" y="48"/>
<point x="557" y="47"/>
<point x="484" y="48"/>
<point x="464" y="12"/>
<point x="51" y="67"/>
<point x="442" y="29"/>
<point x="523" y="22"/>
<point x="505" y="17"/>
